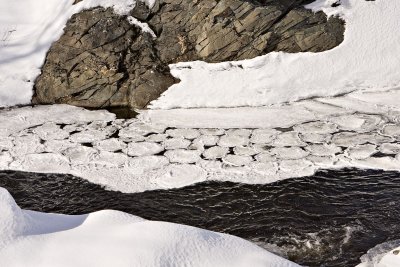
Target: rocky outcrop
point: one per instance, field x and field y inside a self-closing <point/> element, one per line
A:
<point x="103" y="60"/>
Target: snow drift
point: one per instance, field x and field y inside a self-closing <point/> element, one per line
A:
<point x="368" y="59"/>
<point x="112" y="238"/>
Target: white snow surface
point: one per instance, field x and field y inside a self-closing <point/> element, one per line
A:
<point x="383" y="255"/>
<point x="27" y="30"/>
<point x="113" y="238"/>
<point x="367" y="60"/>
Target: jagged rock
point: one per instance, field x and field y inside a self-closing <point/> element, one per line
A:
<point x="104" y="61"/>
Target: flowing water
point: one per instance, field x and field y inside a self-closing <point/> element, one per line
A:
<point x="329" y="219"/>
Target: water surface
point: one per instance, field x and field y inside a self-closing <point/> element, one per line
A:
<point x="329" y="219"/>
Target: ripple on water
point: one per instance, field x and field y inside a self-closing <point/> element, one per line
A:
<point x="329" y="219"/>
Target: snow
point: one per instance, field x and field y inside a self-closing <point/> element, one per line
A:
<point x="113" y="238"/>
<point x="143" y="26"/>
<point x="27" y="30"/>
<point x="383" y="255"/>
<point x="367" y="60"/>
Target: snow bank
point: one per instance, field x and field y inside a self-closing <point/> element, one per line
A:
<point x="368" y="59"/>
<point x="27" y="30"/>
<point x="382" y="255"/>
<point x="112" y="238"/>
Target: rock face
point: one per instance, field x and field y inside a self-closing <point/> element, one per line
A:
<point x="103" y="60"/>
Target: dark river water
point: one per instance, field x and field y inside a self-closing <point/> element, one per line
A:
<point x="329" y="219"/>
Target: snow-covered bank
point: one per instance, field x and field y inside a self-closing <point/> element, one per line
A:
<point x="134" y="156"/>
<point x="382" y="255"/>
<point x="112" y="238"/>
<point x="368" y="59"/>
<point x="27" y="30"/>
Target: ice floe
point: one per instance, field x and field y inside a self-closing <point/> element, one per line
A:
<point x="136" y="155"/>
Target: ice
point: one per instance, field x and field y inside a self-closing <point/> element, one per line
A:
<point x="111" y="145"/>
<point x="215" y="152"/>
<point x="80" y="154"/>
<point x="288" y="139"/>
<point x="145" y="128"/>
<point x="160" y="161"/>
<point x="246" y="151"/>
<point x="27" y="145"/>
<point x="6" y="143"/>
<point x="50" y="131"/>
<point x="391" y="130"/>
<point x="15" y="120"/>
<point x="89" y="136"/>
<point x="43" y="163"/>
<point x="183" y="156"/>
<point x="389" y="148"/>
<point x="156" y="138"/>
<point x="236" y="160"/>
<point x="216" y="132"/>
<point x="289" y="152"/>
<point x="176" y="143"/>
<point x="240" y="132"/>
<point x="361" y="151"/>
<point x="5" y="160"/>
<point x="323" y="150"/>
<point x="358" y="122"/>
<point x="229" y="118"/>
<point x="265" y="157"/>
<point x="349" y="139"/>
<point x="144" y="149"/>
<point x="206" y="140"/>
<point x="106" y="158"/>
<point x="148" y="163"/>
<point x="315" y="138"/>
<point x="316" y="127"/>
<point x="57" y="146"/>
<point x="184" y="133"/>
<point x="301" y="167"/>
<point x="180" y="175"/>
<point x="129" y="135"/>
<point x="263" y="136"/>
<point x="233" y="140"/>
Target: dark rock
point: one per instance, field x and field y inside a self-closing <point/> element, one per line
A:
<point x="103" y="61"/>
